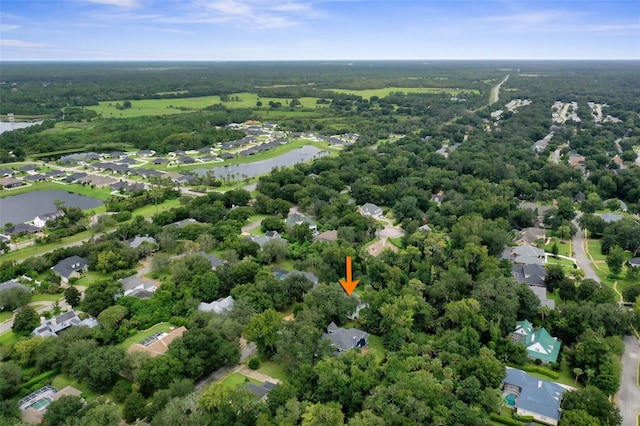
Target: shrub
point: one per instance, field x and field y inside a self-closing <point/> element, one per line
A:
<point x="254" y="363"/>
<point x="540" y="370"/>
<point x="505" y="420"/>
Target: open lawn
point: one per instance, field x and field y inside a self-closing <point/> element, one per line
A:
<point x="126" y="344"/>
<point x="273" y="369"/>
<point x="147" y="107"/>
<point x="91" y="277"/>
<point x="47" y="297"/>
<point x="36" y="250"/>
<point x="150" y="210"/>
<point x="234" y="380"/>
<point x="564" y="248"/>
<point x="381" y="93"/>
<point x="594" y="248"/>
<point x="62" y="380"/>
<point x="5" y="315"/>
<point x="566" y="375"/>
<point x="8" y="338"/>
<point x="100" y="193"/>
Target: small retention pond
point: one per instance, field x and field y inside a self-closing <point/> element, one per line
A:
<point x="25" y="207"/>
<point x="257" y="168"/>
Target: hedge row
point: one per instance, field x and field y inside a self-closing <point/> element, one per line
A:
<point x="505" y="420"/>
<point x="535" y="369"/>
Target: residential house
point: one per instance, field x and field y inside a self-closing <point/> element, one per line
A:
<point x="158" y="343"/>
<point x="41" y="220"/>
<point x="146" y="153"/>
<point x="215" y="261"/>
<point x="7" y="172"/>
<point x="539" y="343"/>
<point x="634" y="262"/>
<point x="71" y="267"/>
<point x="531" y="235"/>
<point x="126" y="161"/>
<point x="34" y="406"/>
<point x="344" y="339"/>
<point x="9" y="182"/>
<point x="538" y="209"/>
<point x="139" y="286"/>
<point x="622" y="205"/>
<point x="297" y="219"/>
<point x="576" y="160"/>
<point x="326" y="236"/>
<point x="54" y="174"/>
<point x="30" y="168"/>
<point x="531" y="396"/>
<point x="533" y="276"/>
<point x="227" y="156"/>
<point x="137" y="241"/>
<point x="35" y="178"/>
<point x="185" y="160"/>
<point x="21" y="229"/>
<point x="281" y="274"/>
<point x="526" y="255"/>
<point x="611" y="217"/>
<point x="261" y="240"/>
<point x="221" y="306"/>
<point x="260" y="391"/>
<point x="56" y="325"/>
<point x="72" y="178"/>
<point x="370" y="210"/>
<point x="158" y="161"/>
<point x="184" y="222"/>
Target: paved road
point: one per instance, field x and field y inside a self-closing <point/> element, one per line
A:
<point x="628" y="397"/>
<point x="6" y="325"/>
<point x="580" y="255"/>
<point x="495" y="92"/>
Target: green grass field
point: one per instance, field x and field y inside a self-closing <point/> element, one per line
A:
<point x="126" y="344"/>
<point x="5" y="315"/>
<point x="594" y="248"/>
<point x="234" y="380"/>
<point x="62" y="380"/>
<point x="100" y="193"/>
<point x="564" y="249"/>
<point x="8" y="338"/>
<point x="47" y="297"/>
<point x="273" y="369"/>
<point x="381" y="93"/>
<point x="147" y="107"/>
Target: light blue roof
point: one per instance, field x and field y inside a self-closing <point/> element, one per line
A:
<point x="536" y="395"/>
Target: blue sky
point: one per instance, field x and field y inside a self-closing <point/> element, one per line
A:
<point x="318" y="29"/>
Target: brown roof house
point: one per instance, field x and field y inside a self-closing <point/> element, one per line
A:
<point x="158" y="343"/>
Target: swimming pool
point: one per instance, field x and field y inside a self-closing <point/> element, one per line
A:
<point x="511" y="399"/>
<point x="41" y="403"/>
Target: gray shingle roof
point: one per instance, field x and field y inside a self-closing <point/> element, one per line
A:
<point x="536" y="395"/>
<point x="72" y="264"/>
<point x="346" y="338"/>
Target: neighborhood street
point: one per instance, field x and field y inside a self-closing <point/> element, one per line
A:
<point x="580" y="255"/>
<point x="628" y="397"/>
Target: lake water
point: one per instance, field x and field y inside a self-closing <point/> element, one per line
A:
<point x="263" y="167"/>
<point x="25" y="207"/>
<point x="5" y="126"/>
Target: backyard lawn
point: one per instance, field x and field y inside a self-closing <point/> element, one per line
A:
<point x="273" y="369"/>
<point x="62" y="380"/>
<point x="234" y="380"/>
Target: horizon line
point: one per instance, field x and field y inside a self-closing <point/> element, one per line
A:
<point x="313" y="60"/>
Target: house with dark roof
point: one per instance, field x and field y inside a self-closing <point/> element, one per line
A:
<point x="54" y="174"/>
<point x="227" y="156"/>
<point x="22" y="229"/>
<point x="221" y="306"/>
<point x="71" y="267"/>
<point x="531" y="396"/>
<point x="35" y="178"/>
<point x="185" y="160"/>
<point x="159" y="161"/>
<point x="215" y="261"/>
<point x="29" y="168"/>
<point x="344" y="339"/>
<point x="72" y="178"/>
<point x="529" y="274"/>
<point x="539" y="343"/>
<point x="7" y="172"/>
<point x="146" y="153"/>
<point x="370" y="210"/>
<point x="41" y="220"/>
<point x="138" y="240"/>
<point x="261" y="391"/>
<point x="128" y="161"/>
<point x="634" y="262"/>
<point x="56" y="325"/>
<point x="184" y="222"/>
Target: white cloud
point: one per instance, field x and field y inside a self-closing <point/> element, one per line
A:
<point x="6" y="28"/>
<point x="19" y="43"/>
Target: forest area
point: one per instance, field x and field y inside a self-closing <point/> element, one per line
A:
<point x="438" y="305"/>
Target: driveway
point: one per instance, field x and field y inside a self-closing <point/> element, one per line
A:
<point x="628" y="397"/>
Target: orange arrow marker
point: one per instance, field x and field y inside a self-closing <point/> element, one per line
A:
<point x="349" y="285"/>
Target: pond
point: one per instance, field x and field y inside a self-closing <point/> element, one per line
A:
<point x="257" y="168"/>
<point x="6" y="126"/>
<point x="25" y="207"/>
